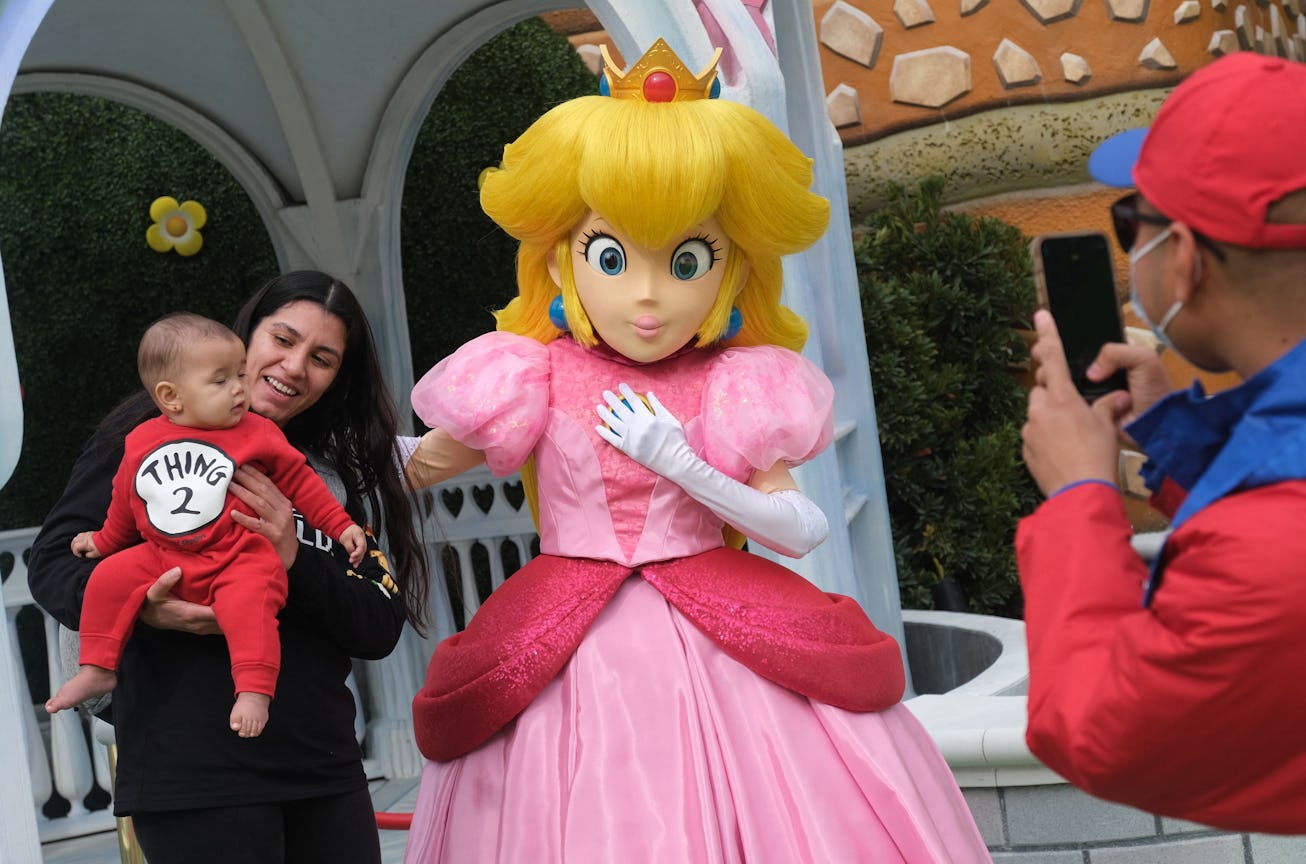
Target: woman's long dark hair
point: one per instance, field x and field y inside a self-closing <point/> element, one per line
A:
<point x="352" y="427"/>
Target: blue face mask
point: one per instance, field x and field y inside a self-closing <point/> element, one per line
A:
<point x="1158" y="330"/>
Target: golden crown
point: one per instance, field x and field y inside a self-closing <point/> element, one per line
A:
<point x="659" y="76"/>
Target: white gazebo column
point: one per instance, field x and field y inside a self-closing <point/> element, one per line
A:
<point x="834" y="310"/>
<point x="19" y="841"/>
<point x="358" y="260"/>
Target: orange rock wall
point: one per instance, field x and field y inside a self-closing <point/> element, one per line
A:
<point x="1111" y="48"/>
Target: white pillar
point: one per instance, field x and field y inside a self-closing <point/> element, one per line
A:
<point x="833" y="309"/>
<point x="18" y="837"/>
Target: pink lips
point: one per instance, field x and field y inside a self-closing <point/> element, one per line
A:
<point x="647" y="326"/>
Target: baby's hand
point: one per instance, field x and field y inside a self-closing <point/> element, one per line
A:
<point x="355" y="541"/>
<point x="84" y="545"/>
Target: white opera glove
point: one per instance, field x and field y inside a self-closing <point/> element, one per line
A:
<point x="785" y="521"/>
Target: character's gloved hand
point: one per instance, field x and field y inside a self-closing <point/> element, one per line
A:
<point x="785" y="521"/>
<point x="643" y="429"/>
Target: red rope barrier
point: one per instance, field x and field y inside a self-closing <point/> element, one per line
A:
<point x="394" y="821"/>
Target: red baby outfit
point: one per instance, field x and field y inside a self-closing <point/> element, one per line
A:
<point x="171" y="491"/>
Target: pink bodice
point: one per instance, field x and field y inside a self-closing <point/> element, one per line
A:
<point x="742" y="409"/>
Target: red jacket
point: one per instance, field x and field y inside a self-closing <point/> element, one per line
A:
<point x="1192" y="707"/>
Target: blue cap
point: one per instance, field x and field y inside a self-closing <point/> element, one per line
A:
<point x="1112" y="162"/>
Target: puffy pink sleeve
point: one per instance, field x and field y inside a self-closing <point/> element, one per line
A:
<point x="492" y="394"/>
<point x="765" y="404"/>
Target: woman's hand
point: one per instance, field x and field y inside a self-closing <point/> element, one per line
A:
<point x="163" y="611"/>
<point x="274" y="517"/>
<point x="1067" y="440"/>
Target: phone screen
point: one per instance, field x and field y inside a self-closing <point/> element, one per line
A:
<point x="1078" y="286"/>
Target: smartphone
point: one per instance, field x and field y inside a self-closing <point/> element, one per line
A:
<point x="1075" y="280"/>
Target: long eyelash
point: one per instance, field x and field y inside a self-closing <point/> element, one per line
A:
<point x="712" y="243"/>
<point x="589" y="237"/>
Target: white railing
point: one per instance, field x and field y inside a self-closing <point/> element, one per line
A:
<point x="62" y="760"/>
<point x="477" y="517"/>
<point x="477" y="531"/>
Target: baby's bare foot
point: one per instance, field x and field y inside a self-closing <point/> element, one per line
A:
<point x="89" y="682"/>
<point x="250" y="714"/>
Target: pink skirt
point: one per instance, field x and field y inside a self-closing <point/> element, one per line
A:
<point x="653" y="745"/>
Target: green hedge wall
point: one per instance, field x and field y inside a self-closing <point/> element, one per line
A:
<point x="458" y="265"/>
<point x="77" y="176"/>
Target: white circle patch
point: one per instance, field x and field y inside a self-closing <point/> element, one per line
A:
<point x="184" y="485"/>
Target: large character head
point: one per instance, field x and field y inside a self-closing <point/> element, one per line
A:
<point x="655" y="160"/>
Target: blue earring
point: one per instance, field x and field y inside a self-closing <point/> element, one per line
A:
<point x="734" y="325"/>
<point x="558" y="314"/>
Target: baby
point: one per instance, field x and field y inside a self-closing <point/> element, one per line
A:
<point x="171" y="490"/>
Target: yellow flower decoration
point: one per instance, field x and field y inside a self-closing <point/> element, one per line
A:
<point x="176" y="226"/>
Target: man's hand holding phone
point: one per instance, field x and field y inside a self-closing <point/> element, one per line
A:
<point x="1148" y="381"/>
<point x="1075" y="281"/>
<point x="1065" y="439"/>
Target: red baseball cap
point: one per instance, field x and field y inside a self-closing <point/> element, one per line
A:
<point x="1227" y="143"/>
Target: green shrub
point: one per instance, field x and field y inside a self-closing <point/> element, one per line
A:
<point x="942" y="294"/>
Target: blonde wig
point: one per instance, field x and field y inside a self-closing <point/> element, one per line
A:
<point x="653" y="171"/>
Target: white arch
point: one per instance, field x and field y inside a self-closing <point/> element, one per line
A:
<point x="392" y="149"/>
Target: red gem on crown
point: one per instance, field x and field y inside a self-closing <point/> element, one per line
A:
<point x="659" y="87"/>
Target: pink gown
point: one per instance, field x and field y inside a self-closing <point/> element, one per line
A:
<point x="637" y="692"/>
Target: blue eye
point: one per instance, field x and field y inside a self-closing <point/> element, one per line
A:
<point x="605" y="255"/>
<point x="692" y="259"/>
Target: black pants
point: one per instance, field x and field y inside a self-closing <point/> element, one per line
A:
<point x="315" y="831"/>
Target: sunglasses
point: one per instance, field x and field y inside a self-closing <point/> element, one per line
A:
<point x="1125" y="219"/>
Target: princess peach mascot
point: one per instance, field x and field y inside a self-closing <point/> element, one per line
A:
<point x="642" y="691"/>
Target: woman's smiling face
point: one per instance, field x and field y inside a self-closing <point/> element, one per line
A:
<point x="646" y="304"/>
<point x="293" y="357"/>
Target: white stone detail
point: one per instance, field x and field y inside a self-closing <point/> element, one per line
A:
<point x="1127" y="10"/>
<point x="1075" y="69"/>
<point x="1278" y="34"/>
<point x="850" y="32"/>
<point x="1156" y="56"/>
<point x="913" y="13"/>
<point x="1243" y="27"/>
<point x="592" y="58"/>
<point x="970" y="7"/>
<point x="1219" y="5"/>
<point x="931" y="78"/>
<point x="1223" y="42"/>
<point x="1048" y="11"/>
<point x="1016" y="66"/>
<point x="1189" y="10"/>
<point x="844" y="106"/>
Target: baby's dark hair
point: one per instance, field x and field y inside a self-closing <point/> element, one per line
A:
<point x="165" y="341"/>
